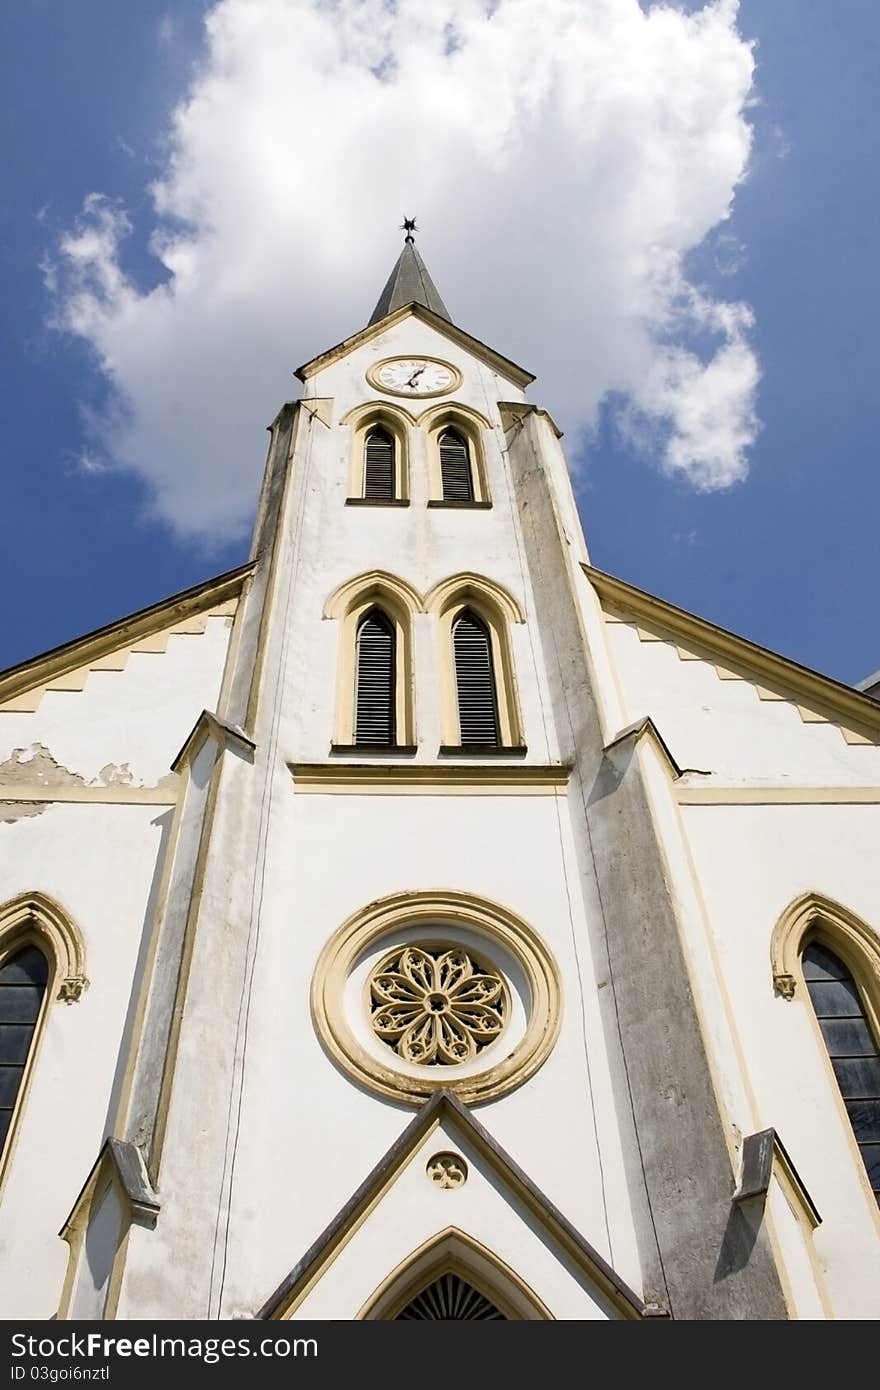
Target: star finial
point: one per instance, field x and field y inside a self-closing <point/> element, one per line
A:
<point x="408" y="225"/>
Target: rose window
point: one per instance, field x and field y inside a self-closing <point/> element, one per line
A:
<point x="436" y="1007"/>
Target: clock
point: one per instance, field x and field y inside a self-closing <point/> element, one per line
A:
<point x="414" y="376"/>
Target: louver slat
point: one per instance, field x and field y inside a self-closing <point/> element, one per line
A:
<point x="455" y="468"/>
<point x="475" y="679"/>
<point x="379" y="467"/>
<point x="375" y="691"/>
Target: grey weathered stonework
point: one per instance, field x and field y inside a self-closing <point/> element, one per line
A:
<point x="701" y="1253"/>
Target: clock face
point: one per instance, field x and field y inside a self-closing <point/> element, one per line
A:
<point x="414" y="376"/>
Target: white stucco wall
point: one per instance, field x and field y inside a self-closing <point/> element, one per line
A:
<point x="100" y="864"/>
<point x="107" y="1223"/>
<point x="752" y="862"/>
<point x="305" y="1127"/>
<point x="738" y="868"/>
<point x="286" y="866"/>
<point x="413" y="1211"/>
<point x="333" y="543"/>
<point x="124" y="726"/>
<point x="560" y="1126"/>
<point x="724" y="728"/>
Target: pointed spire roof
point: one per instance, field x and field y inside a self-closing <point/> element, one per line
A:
<point x="409" y="282"/>
<point x="410" y="290"/>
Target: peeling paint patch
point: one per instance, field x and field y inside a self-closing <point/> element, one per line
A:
<point x="37" y="765"/>
<point x="20" y="810"/>
<point x="115" y="775"/>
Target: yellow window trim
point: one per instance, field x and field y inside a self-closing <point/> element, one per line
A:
<point x="350" y="603"/>
<point x="470" y="425"/>
<point x="492" y="922"/>
<point x="480" y="600"/>
<point x="495" y="605"/>
<point x="453" y="1251"/>
<point x="814" y="917"/>
<point x="396" y="420"/>
<point x="36" y="919"/>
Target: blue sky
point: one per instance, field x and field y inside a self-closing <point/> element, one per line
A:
<point x="786" y="557"/>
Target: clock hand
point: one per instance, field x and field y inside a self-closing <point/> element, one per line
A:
<point x="417" y="372"/>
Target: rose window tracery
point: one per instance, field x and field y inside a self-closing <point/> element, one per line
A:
<point x="436" y="1007"/>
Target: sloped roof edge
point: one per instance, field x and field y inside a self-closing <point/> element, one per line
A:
<point x="843" y="703"/>
<point x="48" y="666"/>
<point x="504" y="365"/>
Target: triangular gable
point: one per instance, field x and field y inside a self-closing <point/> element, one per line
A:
<point x="775" y="676"/>
<point x="445" y="1115"/>
<point x="518" y="375"/>
<point x="65" y="667"/>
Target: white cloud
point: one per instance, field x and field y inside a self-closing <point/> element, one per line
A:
<point x="729" y="254"/>
<point x="166" y="31"/>
<point x="562" y="159"/>
<point x="88" y="464"/>
<point x="702" y="411"/>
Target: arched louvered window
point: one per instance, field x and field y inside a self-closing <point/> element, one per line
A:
<point x="475" y="680"/>
<point x="23" y="977"/>
<point x="455" y="467"/>
<point x="851" y="1046"/>
<point x="450" y="1298"/>
<point x="379" y="468"/>
<point x="376" y="683"/>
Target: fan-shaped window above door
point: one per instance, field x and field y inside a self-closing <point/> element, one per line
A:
<point x="450" y="1298"/>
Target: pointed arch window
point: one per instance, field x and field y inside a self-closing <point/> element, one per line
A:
<point x="379" y="465"/>
<point x="478" y="701"/>
<point x="456" y="473"/>
<point x="456" y="457"/>
<point x="24" y="975"/>
<point x="452" y="1277"/>
<point x="475" y="680"/>
<point x="852" y="1047"/>
<point x="375" y="699"/>
<point x="378" y="474"/>
<point x="376" y="680"/>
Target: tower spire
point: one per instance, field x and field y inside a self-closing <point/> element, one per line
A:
<point x="409" y="282"/>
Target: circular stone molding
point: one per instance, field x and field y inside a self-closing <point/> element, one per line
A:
<point x="422" y="924"/>
<point x="375" y="373"/>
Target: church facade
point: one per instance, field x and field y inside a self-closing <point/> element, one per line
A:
<point x="417" y="922"/>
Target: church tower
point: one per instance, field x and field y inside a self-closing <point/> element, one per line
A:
<point x="406" y="1001"/>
